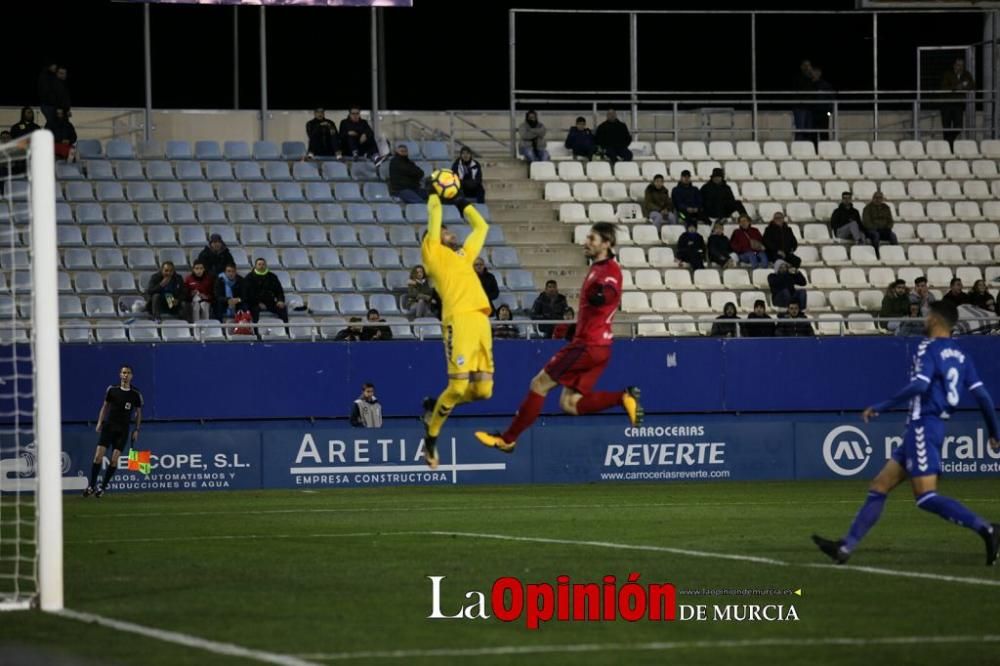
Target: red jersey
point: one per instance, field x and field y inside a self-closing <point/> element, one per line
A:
<point x="593" y="322"/>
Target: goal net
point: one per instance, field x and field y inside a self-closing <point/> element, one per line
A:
<point x="30" y="422"/>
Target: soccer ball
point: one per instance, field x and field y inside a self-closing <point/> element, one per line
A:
<point x="446" y="183"/>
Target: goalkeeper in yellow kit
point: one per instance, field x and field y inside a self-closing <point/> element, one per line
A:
<point x="468" y="338"/>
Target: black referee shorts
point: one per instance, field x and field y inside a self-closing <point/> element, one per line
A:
<point x="113" y="437"/>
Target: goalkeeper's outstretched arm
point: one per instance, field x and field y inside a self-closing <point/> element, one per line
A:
<point x="434" y="216"/>
<point x="477" y="239"/>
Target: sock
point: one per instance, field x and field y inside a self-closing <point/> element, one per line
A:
<point x="867" y="516"/>
<point x="108" y="473"/>
<point x="953" y="510"/>
<point x="95" y="469"/>
<point x="598" y="401"/>
<point x="526" y="414"/>
<point x="453" y="394"/>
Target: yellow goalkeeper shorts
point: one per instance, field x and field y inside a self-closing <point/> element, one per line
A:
<point x="468" y="343"/>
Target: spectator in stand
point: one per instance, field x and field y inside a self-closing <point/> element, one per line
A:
<point x="657" y="205"/>
<point x="581" y="140"/>
<point x="506" y="331"/>
<point x="216" y="256"/>
<point x="955" y="295"/>
<point x="877" y="221"/>
<point x="26" y="125"/>
<point x="959" y="82"/>
<point x="45" y="97"/>
<point x="367" y="410"/>
<point x="761" y="330"/>
<point x="823" y="106"/>
<point x="718" y="199"/>
<point x="228" y="292"/>
<point x="165" y="293"/>
<point x="790" y="324"/>
<point x="979" y="296"/>
<point x="353" y="333"/>
<point x="549" y="305"/>
<point x="471" y="174"/>
<point x="64" y="135"/>
<point x="691" y="247"/>
<point x="748" y="244"/>
<point x="262" y="290"/>
<point x="687" y="200"/>
<point x="725" y="325"/>
<point x="779" y="241"/>
<point x="568" y="330"/>
<point x="719" y="249"/>
<point x="419" y="294"/>
<point x="802" y="115"/>
<point x="845" y="223"/>
<point x="200" y="292"/>
<point x="405" y="177"/>
<point x="913" y="325"/>
<point x="895" y="305"/>
<point x="922" y="296"/>
<point x="324" y="139"/>
<point x="376" y="332"/>
<point x="357" y="139"/>
<point x="532" y="135"/>
<point x="489" y="281"/>
<point x="783" y="282"/>
<point x="614" y="139"/>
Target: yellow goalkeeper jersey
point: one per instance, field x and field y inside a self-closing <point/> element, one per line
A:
<point x="454" y="278"/>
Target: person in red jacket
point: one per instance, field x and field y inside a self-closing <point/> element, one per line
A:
<point x="201" y="290"/>
<point x="748" y="244"/>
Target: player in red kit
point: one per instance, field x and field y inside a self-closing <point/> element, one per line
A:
<point x="578" y="365"/>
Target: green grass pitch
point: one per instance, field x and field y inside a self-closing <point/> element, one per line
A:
<point x="340" y="576"/>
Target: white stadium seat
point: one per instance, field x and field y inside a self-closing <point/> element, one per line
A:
<point x="864" y="255"/>
<point x="881" y="278"/>
<point x="694" y="150"/>
<point x="824" y="278"/>
<point x="764" y="170"/>
<point x="810" y="190"/>
<point x="775" y="150"/>
<point x="736" y="278"/>
<point x="602" y="212"/>
<point x="835" y="255"/>
<point x="721" y="150"/>
<point x="842" y="301"/>
<point x="816" y="233"/>
<point x="695" y="302"/>
<point x="571" y="213"/>
<point x="966" y="149"/>
<point x="635" y="301"/>
<point x="921" y="255"/>
<point x="667" y="150"/>
<point x="820" y="170"/>
<point x="543" y="171"/>
<point x="628" y="171"/>
<point x="707" y="278"/>
<point x="858" y="149"/>
<point x="613" y="191"/>
<point x="957" y="169"/>
<point x="940" y="211"/>
<point x="652" y="169"/>
<point x="571" y="170"/>
<point x="884" y="149"/>
<point x="677" y="279"/>
<point x="600" y="171"/>
<point x="662" y="257"/>
<point x="750" y="150"/>
<point x="958" y="231"/>
<point x="875" y="169"/>
<point x="929" y="169"/>
<point x="645" y="234"/>
<point x="803" y="150"/>
<point x="968" y="211"/>
<point x="830" y="324"/>
<point x="584" y="191"/>
<point x="893" y="255"/>
<point x="632" y="257"/>
<point x="651" y="326"/>
<point x="558" y="192"/>
<point x="871" y="299"/>
<point x="853" y="278"/>
<point x="648" y="279"/>
<point x="830" y="150"/>
<point x="665" y="301"/>
<point x="938" y="148"/>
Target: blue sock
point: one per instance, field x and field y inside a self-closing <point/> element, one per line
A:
<point x="951" y="509"/>
<point x="867" y="516"/>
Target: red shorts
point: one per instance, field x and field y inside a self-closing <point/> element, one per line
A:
<point x="62" y="150"/>
<point x="578" y="366"/>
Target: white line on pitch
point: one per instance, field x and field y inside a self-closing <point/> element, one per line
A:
<point x="652" y="646"/>
<point x="187" y="640"/>
<point x="237" y="537"/>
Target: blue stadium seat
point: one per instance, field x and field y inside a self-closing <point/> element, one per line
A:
<point x="519" y="279"/>
<point x="161" y="235"/>
<point x="313" y="235"/>
<point x="403" y="236"/>
<point x="372" y="236"/>
<point x="119" y="149"/>
<point x="19" y="259"/>
<point x="335" y="171"/>
<point x="159" y="170"/>
<point x="284" y="235"/>
<point x="211" y="213"/>
<point x="411" y="257"/>
<point x="230" y="192"/>
<point x="151" y="213"/>
<point x="308" y="282"/>
<point x="318" y="192"/>
<point x="376" y="192"/>
<point x="484" y="210"/>
<point x="189" y="171"/>
<point x="100" y="307"/>
<point x="352" y="305"/>
<point x="242" y="171"/>
<point x="198" y="192"/>
<point x="435" y="150"/>
<point x="367" y="281"/>
<point x="69" y="236"/>
<point x="131" y="237"/>
<point x="100" y="235"/>
<point x="141" y="258"/>
<point x="236" y="150"/>
<point x="109" y="192"/>
<point x="120" y="213"/>
<point x="176" y="331"/>
<point x="79" y="192"/>
<point x="208" y="150"/>
<point x="338" y="281"/>
<point x="303" y="171"/>
<point x="64" y="214"/>
<point x="426" y="167"/>
<point x="384" y="303"/>
<point x="389" y="213"/>
<point x="150" y="150"/>
<point x="383" y="170"/>
<point x="121" y="282"/>
<point x="266" y="150"/>
<point x="321" y="304"/>
<point x="268" y="254"/>
<point x="296" y="258"/>
<point x="353" y="257"/>
<point x="108" y="258"/>
<point x="142" y="330"/>
<point x="65" y="171"/>
<point x="364" y="171"/>
<point x="505" y="257"/>
<point x="217" y="171"/>
<point x="276" y="171"/>
<point x="330" y="213"/>
<point x="91" y="213"/>
<point x="360" y="214"/>
<point x="138" y="192"/>
<point x="385" y="257"/>
<point x="88" y="149"/>
<point x="129" y="170"/>
<point x="179" y="150"/>
<point x="253" y="235"/>
<point x="289" y="192"/>
<point x="494" y="236"/>
<point x="183" y="213"/>
<point x="241" y="213"/>
<point x="192" y="236"/>
<point x="293" y="150"/>
<point x="172" y="191"/>
<point x="301" y="213"/>
<point x="416" y="213"/>
<point x="400" y="328"/>
<point x="450" y="215"/>
<point x="325" y="257"/>
<point x="347" y="192"/>
<point x="271" y="213"/>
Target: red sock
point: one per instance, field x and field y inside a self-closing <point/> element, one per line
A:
<point x="598" y="401"/>
<point x="525" y="416"/>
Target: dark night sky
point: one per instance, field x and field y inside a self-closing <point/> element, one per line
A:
<point x="320" y="56"/>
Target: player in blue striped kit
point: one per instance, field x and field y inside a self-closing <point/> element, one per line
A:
<point x="941" y="372"/>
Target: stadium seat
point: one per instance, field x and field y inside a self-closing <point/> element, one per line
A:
<point x="119" y="149"/>
<point x="824" y="278"/>
<point x="345" y="192"/>
<point x="203" y="150"/>
<point x="236" y="150"/>
<point x="762" y="170"/>
<point x="819" y="170"/>
<point x="929" y="170"/>
<point x="260" y="192"/>
<point x="707" y="278"/>
<point x="921" y="255"/>
<point x="776" y="150"/>
<point x="295" y="258"/>
<point x="648" y="279"/>
<point x="97" y="235"/>
<point x="570" y="171"/>
<point x="98" y="306"/>
<point x="293" y="150"/>
<point x="129" y="170"/>
<point x="635" y="302"/>
<point x="662" y="257"/>
<point x="695" y="302"/>
<point x="864" y="255"/>
<point x="289" y="192"/>
<point x="911" y="149"/>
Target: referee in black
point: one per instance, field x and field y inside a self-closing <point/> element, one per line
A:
<point x="119" y="403"/>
